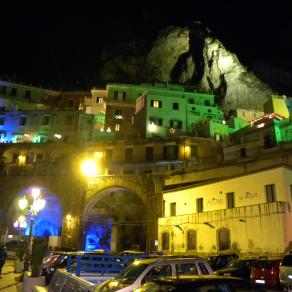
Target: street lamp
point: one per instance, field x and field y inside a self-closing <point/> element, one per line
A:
<point x="31" y="205"/>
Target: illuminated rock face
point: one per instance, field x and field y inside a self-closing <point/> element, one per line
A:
<point x="191" y="56"/>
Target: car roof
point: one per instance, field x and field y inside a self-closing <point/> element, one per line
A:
<point x="196" y="278"/>
<point x="167" y="259"/>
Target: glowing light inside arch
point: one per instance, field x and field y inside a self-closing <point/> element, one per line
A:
<point x="98" y="236"/>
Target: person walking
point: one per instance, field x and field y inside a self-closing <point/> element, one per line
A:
<point x="3" y="256"/>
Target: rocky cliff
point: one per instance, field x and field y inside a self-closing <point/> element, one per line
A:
<point x="191" y="56"/>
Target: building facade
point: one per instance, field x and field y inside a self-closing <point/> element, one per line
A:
<point x="237" y="214"/>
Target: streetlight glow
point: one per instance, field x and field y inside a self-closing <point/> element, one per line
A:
<point x="29" y="205"/>
<point x="35" y="192"/>
<point x="22" y="203"/>
<point x="89" y="168"/>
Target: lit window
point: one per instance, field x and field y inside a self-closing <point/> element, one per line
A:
<point x="156" y="103"/>
<point x="117" y="127"/>
<point x="99" y="100"/>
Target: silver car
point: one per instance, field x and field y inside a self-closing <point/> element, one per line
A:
<point x="285" y="271"/>
<point x="145" y="270"/>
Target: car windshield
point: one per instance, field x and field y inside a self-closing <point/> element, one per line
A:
<point x="237" y="264"/>
<point x="132" y="272"/>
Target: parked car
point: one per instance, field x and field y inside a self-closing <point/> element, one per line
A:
<point x="198" y="283"/>
<point x="240" y="268"/>
<point x="285" y="271"/>
<point x="265" y="272"/>
<point x="219" y="261"/>
<point x="142" y="271"/>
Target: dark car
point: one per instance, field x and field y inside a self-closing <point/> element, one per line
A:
<point x="219" y="261"/>
<point x="59" y="262"/>
<point x="265" y="272"/>
<point x="198" y="283"/>
<point x="240" y="268"/>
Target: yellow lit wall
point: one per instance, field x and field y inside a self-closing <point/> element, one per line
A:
<point x="250" y="222"/>
<point x="276" y="104"/>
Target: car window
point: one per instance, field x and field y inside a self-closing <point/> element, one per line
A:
<point x="186" y="269"/>
<point x="287" y="261"/>
<point x="132" y="272"/>
<point x="157" y="272"/>
<point x="204" y="269"/>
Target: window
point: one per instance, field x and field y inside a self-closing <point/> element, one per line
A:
<point x="124" y="96"/>
<point x="186" y="269"/>
<point x="172" y="209"/>
<point x="156" y="103"/>
<point x="175" y="124"/>
<point x="243" y="152"/>
<point x="194" y="151"/>
<point x="156" y="121"/>
<point x="108" y="155"/>
<point x="165" y="241"/>
<point x="157" y="272"/>
<point x="99" y="100"/>
<point x="149" y="154"/>
<point x="22" y="121"/>
<point x="45" y="120"/>
<point x="163" y="208"/>
<point x="2" y="120"/>
<point x="3" y="89"/>
<point x="45" y="97"/>
<point x="204" y="269"/>
<point x="27" y="94"/>
<point x="117" y="127"/>
<point x="191" y="101"/>
<point x="271" y="193"/>
<point x="13" y="91"/>
<point x="170" y="152"/>
<point x="115" y="95"/>
<point x="175" y="106"/>
<point x="200" y="205"/>
<point x="207" y="102"/>
<point x="223" y="239"/>
<point x="129" y="154"/>
<point x="39" y="158"/>
<point x="2" y="108"/>
<point x="191" y="240"/>
<point x="230" y="200"/>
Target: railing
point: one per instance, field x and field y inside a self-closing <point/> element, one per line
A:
<point x="100" y="264"/>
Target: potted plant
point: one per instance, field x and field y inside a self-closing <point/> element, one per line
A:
<point x="39" y="247"/>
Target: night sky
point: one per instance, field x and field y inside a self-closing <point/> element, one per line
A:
<point x="58" y="45"/>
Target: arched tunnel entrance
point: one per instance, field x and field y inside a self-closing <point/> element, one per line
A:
<point x="114" y="220"/>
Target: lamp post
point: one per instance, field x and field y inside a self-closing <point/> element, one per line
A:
<point x="32" y="206"/>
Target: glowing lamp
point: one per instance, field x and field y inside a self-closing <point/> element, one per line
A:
<point x="89" y="168"/>
<point x="35" y="192"/>
<point x="152" y="127"/>
<point x="22" y="203"/>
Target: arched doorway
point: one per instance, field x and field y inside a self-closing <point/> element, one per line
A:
<point x="114" y="220"/>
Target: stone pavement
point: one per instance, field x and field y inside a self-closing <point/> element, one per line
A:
<point x="9" y="280"/>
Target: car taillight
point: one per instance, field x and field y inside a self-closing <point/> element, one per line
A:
<point x="273" y="271"/>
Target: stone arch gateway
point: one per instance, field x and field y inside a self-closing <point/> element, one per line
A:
<point x="120" y="212"/>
